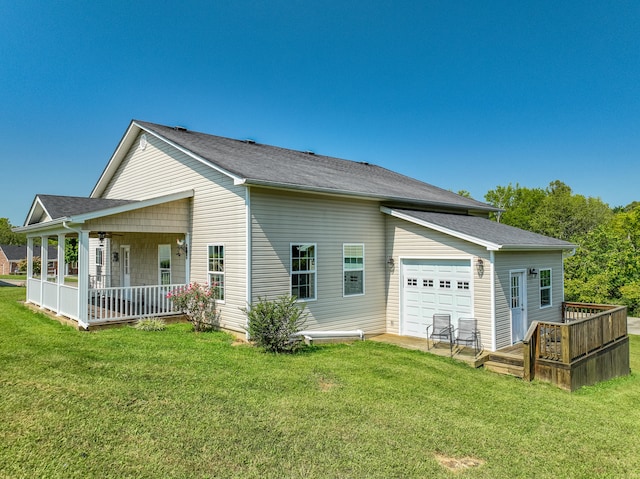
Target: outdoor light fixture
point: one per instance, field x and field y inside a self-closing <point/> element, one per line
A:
<point x="182" y="247"/>
<point x="115" y="257"/>
<point x="480" y="266"/>
<point x="101" y="236"/>
<point x="390" y="262"/>
<point x="533" y="272"/>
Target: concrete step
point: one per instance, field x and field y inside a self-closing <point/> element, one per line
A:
<point x="505" y="368"/>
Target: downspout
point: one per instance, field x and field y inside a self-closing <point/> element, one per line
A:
<point x="83" y="275"/>
<point x="492" y="258"/>
<point x="248" y="255"/>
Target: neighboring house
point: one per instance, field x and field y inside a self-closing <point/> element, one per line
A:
<point x="12" y="255"/>
<point x="360" y="246"/>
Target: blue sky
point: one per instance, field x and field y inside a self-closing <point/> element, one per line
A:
<point x="465" y="95"/>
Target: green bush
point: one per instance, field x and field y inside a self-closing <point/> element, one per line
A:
<point x="272" y="324"/>
<point x="150" y="324"/>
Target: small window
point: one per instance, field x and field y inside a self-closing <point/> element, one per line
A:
<point x="353" y="269"/>
<point x="427" y="283"/>
<point x="545" y="288"/>
<point x="164" y="263"/>
<point x="446" y="284"/>
<point x="303" y="271"/>
<point x="412" y="281"/>
<point x="463" y="284"/>
<point x="216" y="269"/>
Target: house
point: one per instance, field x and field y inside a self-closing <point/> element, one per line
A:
<point x="360" y="246"/>
<point x="12" y="255"/>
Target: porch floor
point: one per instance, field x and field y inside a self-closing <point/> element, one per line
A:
<point x="466" y="355"/>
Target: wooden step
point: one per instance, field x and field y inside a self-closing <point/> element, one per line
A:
<point x="505" y="368"/>
<point x="506" y="358"/>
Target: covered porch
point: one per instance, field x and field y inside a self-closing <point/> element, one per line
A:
<point x="128" y="256"/>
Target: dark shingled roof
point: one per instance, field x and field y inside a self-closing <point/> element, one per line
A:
<point x="270" y="165"/>
<point x="64" y="206"/>
<point x="500" y="234"/>
<point x="17" y="253"/>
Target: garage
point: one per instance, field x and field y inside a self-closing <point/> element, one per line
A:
<point x="434" y="286"/>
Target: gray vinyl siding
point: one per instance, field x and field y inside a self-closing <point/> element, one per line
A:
<point x="510" y="261"/>
<point x="217" y="213"/>
<point x="408" y="240"/>
<point x="280" y="218"/>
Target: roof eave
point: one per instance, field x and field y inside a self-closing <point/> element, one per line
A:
<point x="78" y="220"/>
<point x="355" y="194"/>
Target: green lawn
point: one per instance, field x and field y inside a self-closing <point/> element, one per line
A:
<point x="127" y="403"/>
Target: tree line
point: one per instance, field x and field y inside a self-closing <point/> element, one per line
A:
<point x="606" y="265"/>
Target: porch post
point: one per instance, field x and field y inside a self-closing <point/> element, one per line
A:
<point x="83" y="278"/>
<point x="44" y="260"/>
<point x="60" y="277"/>
<point x="29" y="258"/>
<point x="187" y="258"/>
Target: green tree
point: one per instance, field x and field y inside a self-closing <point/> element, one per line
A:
<point x="567" y="216"/>
<point x="8" y="237"/>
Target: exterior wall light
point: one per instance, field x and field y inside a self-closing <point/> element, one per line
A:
<point x="182" y="247"/>
<point x="390" y="262"/>
<point x="533" y="272"/>
<point x="480" y="266"/>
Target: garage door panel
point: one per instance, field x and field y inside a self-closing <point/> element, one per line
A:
<point x="434" y="286"/>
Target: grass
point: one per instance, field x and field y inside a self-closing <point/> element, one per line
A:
<point x="129" y="403"/>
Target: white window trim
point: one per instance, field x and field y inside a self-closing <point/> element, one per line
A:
<point x="550" y="288"/>
<point x="160" y="268"/>
<point x="314" y="271"/>
<point x="222" y="273"/>
<point x="344" y="270"/>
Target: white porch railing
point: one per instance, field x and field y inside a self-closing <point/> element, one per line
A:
<point x="119" y="304"/>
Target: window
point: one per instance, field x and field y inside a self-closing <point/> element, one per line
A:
<point x="545" y="288"/>
<point x="216" y="269"/>
<point x="353" y="269"/>
<point x="164" y="263"/>
<point x="99" y="261"/>
<point x="303" y="271"/>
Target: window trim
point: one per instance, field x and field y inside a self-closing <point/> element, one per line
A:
<point x="344" y="270"/>
<point x="314" y="271"/>
<point x="549" y="287"/>
<point x="222" y="273"/>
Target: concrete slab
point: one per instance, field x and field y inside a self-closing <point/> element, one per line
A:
<point x="633" y="326"/>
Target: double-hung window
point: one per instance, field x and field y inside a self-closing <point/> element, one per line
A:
<point x="216" y="268"/>
<point x="353" y="269"/>
<point x="545" y="287"/>
<point x="303" y="271"/>
<point x="164" y="263"/>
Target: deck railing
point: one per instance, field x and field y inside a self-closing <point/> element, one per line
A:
<point x="121" y="304"/>
<point x="590" y="345"/>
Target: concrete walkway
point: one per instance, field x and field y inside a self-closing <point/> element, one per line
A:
<point x="633" y="326"/>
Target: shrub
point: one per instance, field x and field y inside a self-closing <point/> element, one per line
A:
<point x="150" y="324"/>
<point x="198" y="302"/>
<point x="272" y="324"/>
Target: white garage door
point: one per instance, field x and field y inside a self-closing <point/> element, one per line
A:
<point x="434" y="286"/>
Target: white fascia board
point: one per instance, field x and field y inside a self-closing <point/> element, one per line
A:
<point x="456" y="234"/>
<point x="236" y="179"/>
<point x="32" y="210"/>
<point x="537" y="248"/>
<point x="116" y="158"/>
